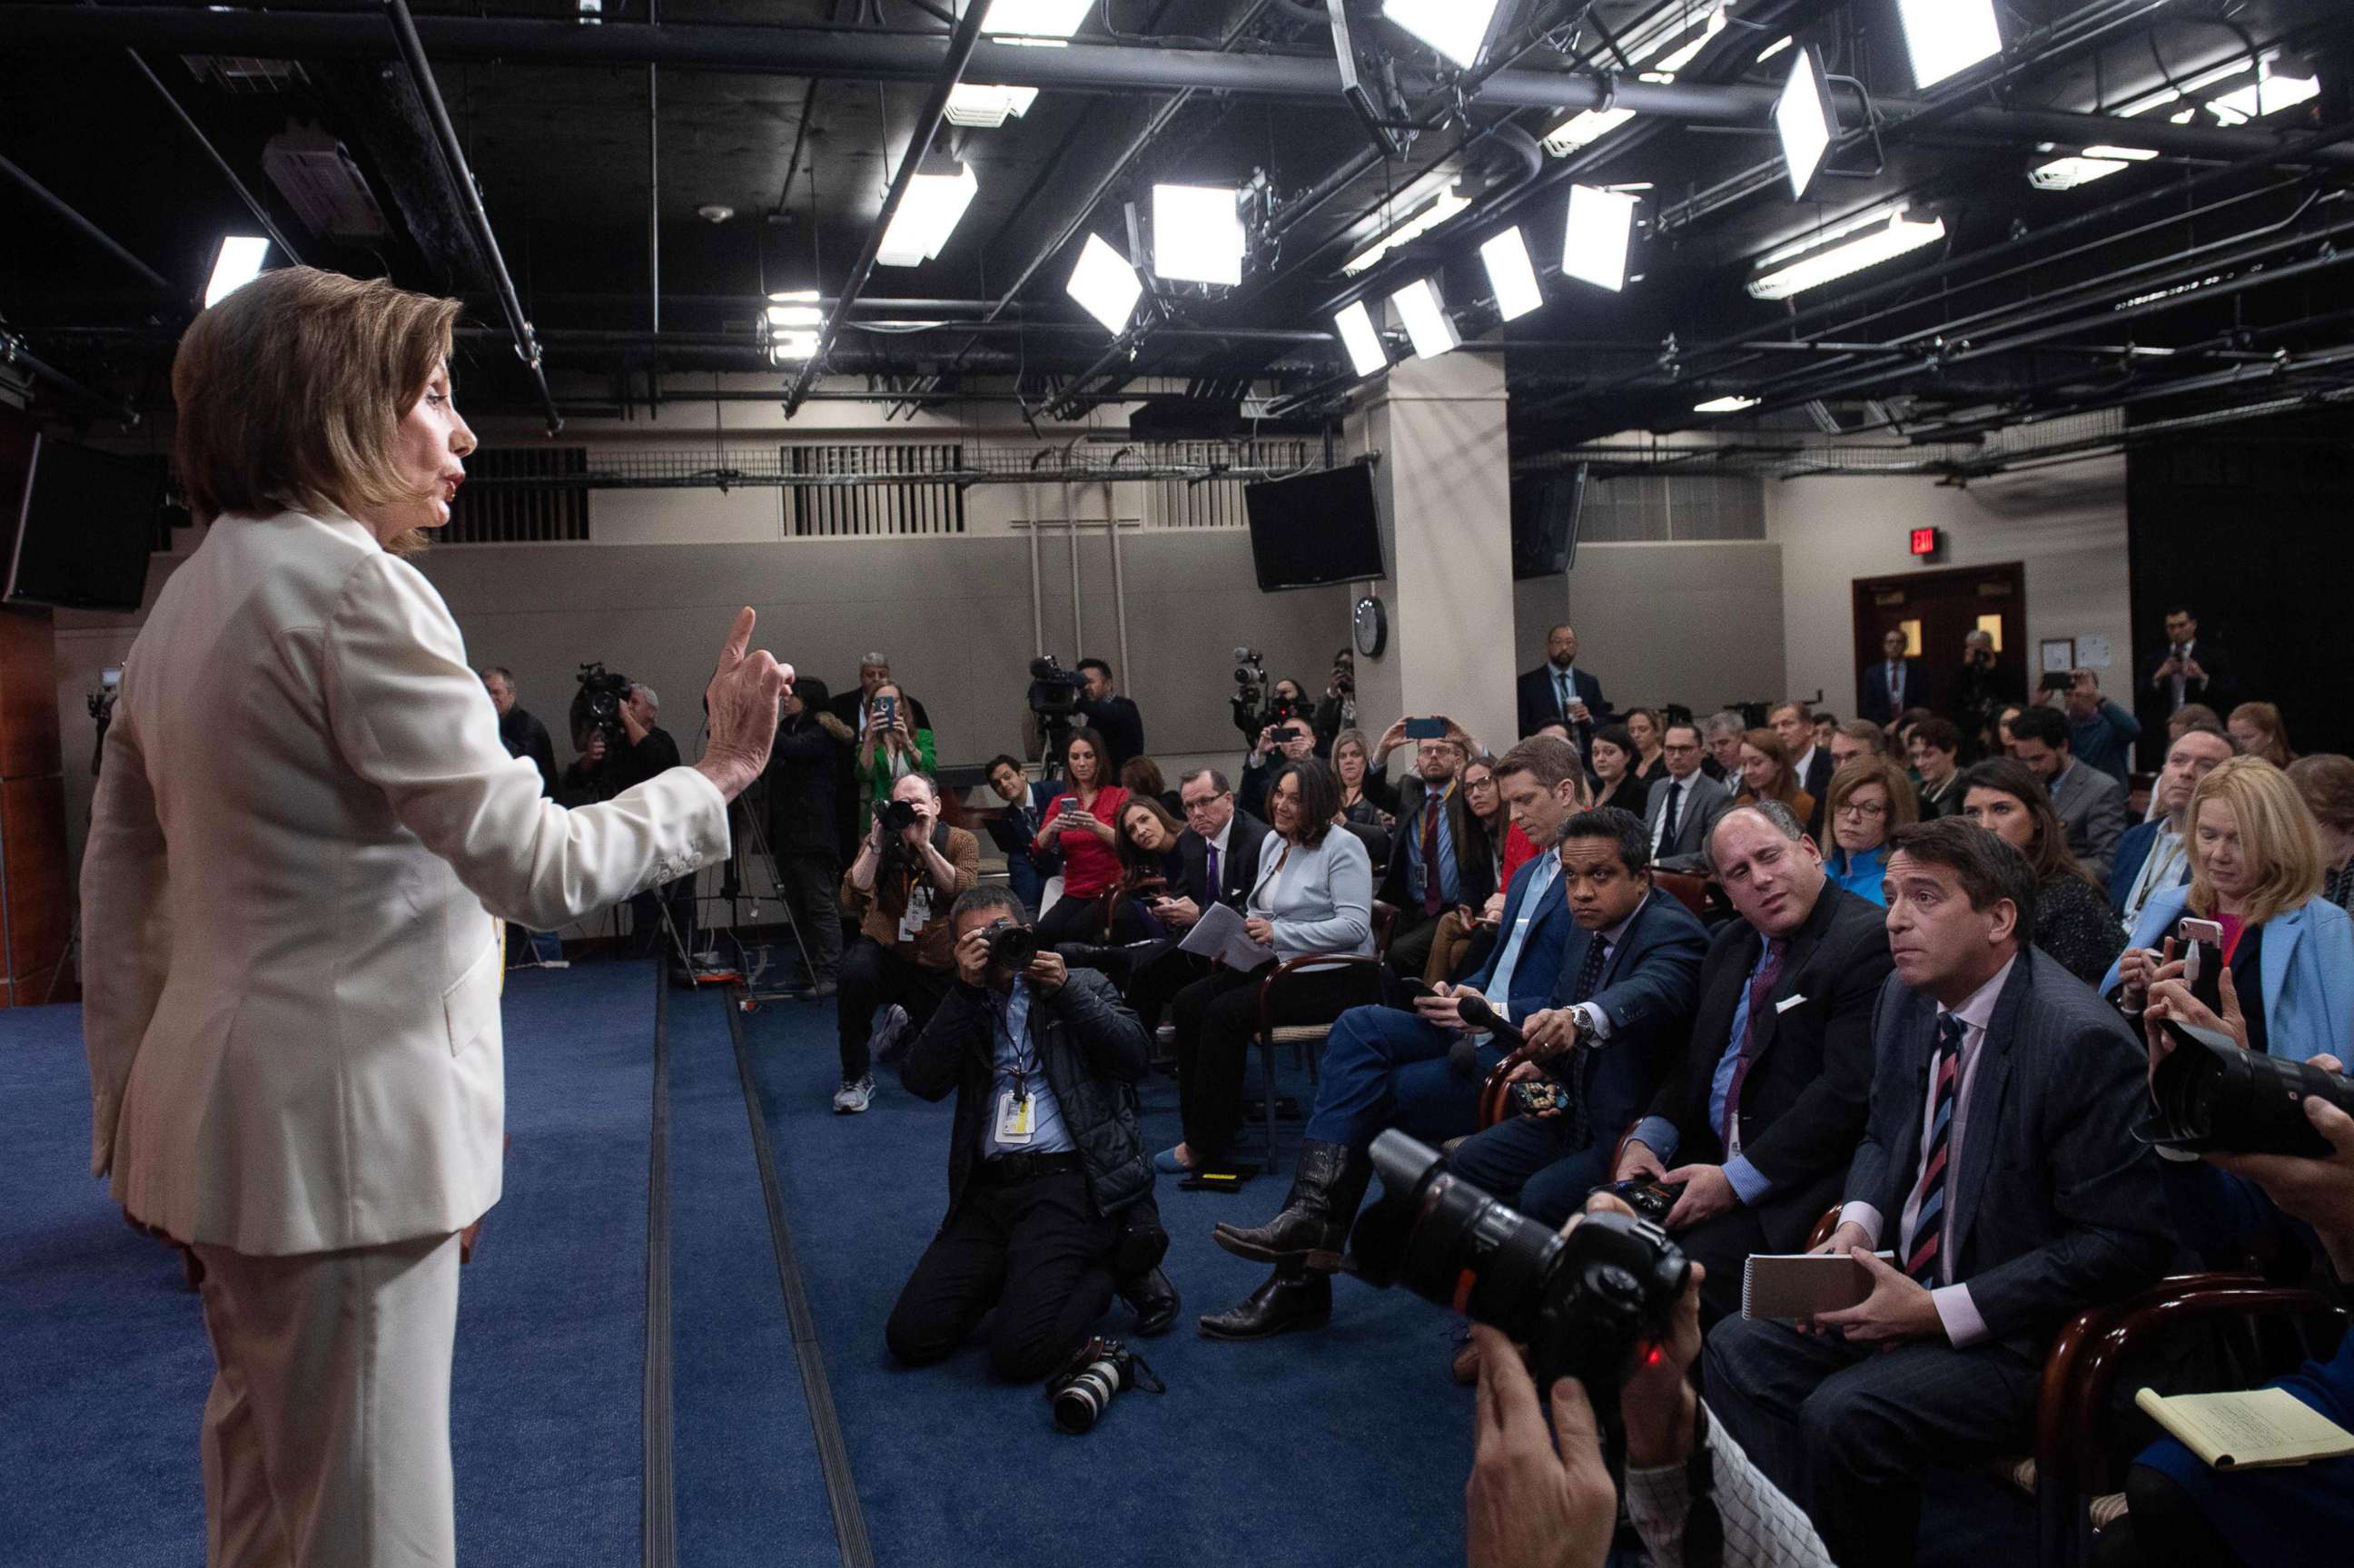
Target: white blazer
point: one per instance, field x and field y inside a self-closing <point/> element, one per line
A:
<point x="304" y="827"/>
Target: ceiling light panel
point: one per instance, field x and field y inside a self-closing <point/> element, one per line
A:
<point x="928" y="215"/>
<point x="1595" y="242"/>
<point x="1512" y="275"/>
<point x="1724" y="405"/>
<point x="1425" y="314"/>
<point x="237" y="263"/>
<point x="1660" y="45"/>
<point x="1035" y="18"/>
<point x="1898" y="236"/>
<point x="987" y="108"/>
<point x="1945" y="37"/>
<point x="1105" y="285"/>
<point x="1456" y="28"/>
<point x="1197" y="234"/>
<point x="1364" y="344"/>
<point x="1448" y="205"/>
<point x="1804" y="120"/>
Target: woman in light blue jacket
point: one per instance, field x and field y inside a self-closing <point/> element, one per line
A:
<point x="1314" y="896"/>
<point x="2255" y="870"/>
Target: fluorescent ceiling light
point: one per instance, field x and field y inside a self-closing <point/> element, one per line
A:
<point x="2268" y="94"/>
<point x="1456" y="28"/>
<point x="1944" y="36"/>
<point x="1510" y="274"/>
<point x="1366" y="353"/>
<point x="1197" y="234"/>
<point x="1816" y="238"/>
<point x="1804" y="119"/>
<point x="1724" y="405"/>
<point x="1035" y="18"/>
<point x="1898" y="237"/>
<point x="238" y="264"/>
<point x="987" y="108"/>
<point x="1594" y="245"/>
<point x="1584" y="129"/>
<point x="1776" y="47"/>
<point x="1448" y="205"/>
<point x="928" y="215"/>
<point x="2092" y="163"/>
<point x="1425" y="314"/>
<point x="1666" y="68"/>
<point x="1104" y="284"/>
<point x="1680" y="27"/>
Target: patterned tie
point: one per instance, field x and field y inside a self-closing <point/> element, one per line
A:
<point x="1432" y="901"/>
<point x="1761" y="988"/>
<point x="1945" y="1065"/>
<point x="1668" y="817"/>
<point x="1589" y="973"/>
<point x="1561" y="682"/>
<point x="1216" y="889"/>
<point x="1895" y="683"/>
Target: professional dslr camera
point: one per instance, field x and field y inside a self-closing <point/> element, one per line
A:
<point x="1012" y="945"/>
<point x="1082" y="1389"/>
<point x="1254" y="709"/>
<point x="1582" y="1303"/>
<point x="2213" y="1095"/>
<point x="597" y="704"/>
<point x="896" y="816"/>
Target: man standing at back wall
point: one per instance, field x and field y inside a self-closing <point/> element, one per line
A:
<point x="1558" y="692"/>
<point x="1113" y="716"/>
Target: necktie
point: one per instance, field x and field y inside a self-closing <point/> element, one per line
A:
<point x="1929" y="1223"/>
<point x="1589" y="973"/>
<point x="1216" y="889"/>
<point x="1431" y="900"/>
<point x="1668" y="817"/>
<point x="1761" y="989"/>
<point x="2180" y="653"/>
<point x="1561" y="681"/>
<point x="1895" y="682"/>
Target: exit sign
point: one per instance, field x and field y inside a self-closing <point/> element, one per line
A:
<point x="1925" y="542"/>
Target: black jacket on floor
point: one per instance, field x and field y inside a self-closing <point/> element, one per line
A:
<point x="1094" y="1052"/>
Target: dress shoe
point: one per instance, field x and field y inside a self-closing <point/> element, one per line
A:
<point x="1155" y="1300"/>
<point x="1314" y="1225"/>
<point x="1292" y="1298"/>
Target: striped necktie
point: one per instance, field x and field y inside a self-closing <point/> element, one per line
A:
<point x="1929" y="1225"/>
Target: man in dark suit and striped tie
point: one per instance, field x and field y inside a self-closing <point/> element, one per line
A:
<point x="1997" y="1165"/>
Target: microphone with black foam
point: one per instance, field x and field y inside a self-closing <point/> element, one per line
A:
<point x="1463" y="1060"/>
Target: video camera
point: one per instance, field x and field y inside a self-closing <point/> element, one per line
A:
<point x="1054" y="691"/>
<point x="1254" y="709"/>
<point x="597" y="704"/>
<point x="1582" y="1303"/>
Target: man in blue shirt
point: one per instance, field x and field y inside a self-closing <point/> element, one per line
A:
<point x="1050" y="1196"/>
<point x="2100" y="733"/>
<point x="1385" y="1067"/>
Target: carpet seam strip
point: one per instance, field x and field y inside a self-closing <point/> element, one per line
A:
<point x="825" y="1423"/>
<point x="659" y="1510"/>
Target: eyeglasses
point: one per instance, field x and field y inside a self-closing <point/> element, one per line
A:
<point x="1864" y="811"/>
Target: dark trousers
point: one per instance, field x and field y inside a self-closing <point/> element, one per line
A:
<point x="807" y="883"/>
<point x="1536" y="1163"/>
<point x="1862" y="1424"/>
<point x="1073" y="920"/>
<point x="1217" y="1020"/>
<point x="1153" y="984"/>
<point x="1036" y="1250"/>
<point x="1723" y="1245"/>
<point x="872" y="976"/>
<point x="1410" y="942"/>
<point x="1385" y="1067"/>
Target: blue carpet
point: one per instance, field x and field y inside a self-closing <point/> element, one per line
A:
<point x="1347" y="1446"/>
<point x="107" y="1363"/>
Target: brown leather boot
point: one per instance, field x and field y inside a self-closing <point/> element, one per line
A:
<point x="1313" y="1227"/>
<point x="1293" y="1297"/>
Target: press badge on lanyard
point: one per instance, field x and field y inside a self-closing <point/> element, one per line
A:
<point x="1017" y="1116"/>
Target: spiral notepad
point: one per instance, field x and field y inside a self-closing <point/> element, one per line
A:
<point x="1801" y="1284"/>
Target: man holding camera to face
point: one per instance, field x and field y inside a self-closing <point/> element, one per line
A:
<point x="910" y="868"/>
<point x="1046" y="1168"/>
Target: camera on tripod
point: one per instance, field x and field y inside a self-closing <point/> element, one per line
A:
<point x="597" y="704"/>
<point x="1054" y="691"/>
<point x="1582" y="1303"/>
<point x="1254" y="708"/>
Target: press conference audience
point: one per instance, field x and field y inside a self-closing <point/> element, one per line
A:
<point x="2090" y="803"/>
<point x="1351" y="754"/>
<point x="1610" y="759"/>
<point x="1465" y="934"/>
<point x="2073" y="923"/>
<point x="2195" y="715"/>
<point x="1886" y="689"/>
<point x="1766" y="775"/>
<point x="1081" y="825"/>
<point x="1642" y="725"/>
<point x="1286" y="738"/>
<point x="892" y="743"/>
<point x="1150" y="864"/>
<point x="1721" y="734"/>
<point x="1015" y="828"/>
<point x="1141" y="776"/>
<point x="2257" y="730"/>
<point x="1856" y="737"/>
<point x="1558" y="692"/>
<point x="1218" y="856"/>
<point x="1110" y="716"/>
<point x="2189" y="669"/>
<point x="2100" y="733"/>
<point x="1683" y="804"/>
<point x="1870" y="799"/>
<point x="899" y="890"/>
<point x="2325" y="781"/>
<point x="2155" y="856"/>
<point x="1436" y="858"/>
<point x="1313" y="896"/>
<point x="662" y="919"/>
<point x="2255" y="871"/>
<point x="1935" y="752"/>
<point x="1981" y="688"/>
<point x="1806" y="747"/>
<point x="519" y="732"/>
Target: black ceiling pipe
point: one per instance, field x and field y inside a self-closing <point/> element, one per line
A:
<point x="928" y="125"/>
<point x="252" y="203"/>
<point x="89" y="230"/>
<point x="470" y="196"/>
<point x="13" y="351"/>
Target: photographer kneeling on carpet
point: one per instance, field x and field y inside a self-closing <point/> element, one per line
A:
<point x="1050" y="1196"/>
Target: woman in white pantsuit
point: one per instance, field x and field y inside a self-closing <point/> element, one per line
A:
<point x="305" y="833"/>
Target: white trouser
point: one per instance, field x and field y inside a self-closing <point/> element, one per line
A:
<point x="326" y="1438"/>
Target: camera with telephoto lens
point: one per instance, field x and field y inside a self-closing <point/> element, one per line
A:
<point x="1012" y="945"/>
<point x="1082" y="1389"/>
<point x="896" y="816"/>
<point x="597" y="704"/>
<point x="2213" y="1095"/>
<point x="1582" y="1303"/>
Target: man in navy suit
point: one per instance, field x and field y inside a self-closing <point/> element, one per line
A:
<point x="1998" y="1166"/>
<point x="1386" y="1067"/>
<point x="1558" y="692"/>
<point x="1618" y="1023"/>
<point x="1884" y="691"/>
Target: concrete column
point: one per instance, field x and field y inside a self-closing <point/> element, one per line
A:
<point x="1444" y="487"/>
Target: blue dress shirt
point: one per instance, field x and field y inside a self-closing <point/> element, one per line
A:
<point x="1017" y="1059"/>
<point x="1859" y="875"/>
<point x="1500" y="984"/>
<point x="1659" y="1135"/>
<point x="1449" y="888"/>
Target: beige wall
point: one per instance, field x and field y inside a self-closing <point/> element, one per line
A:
<point x="1698" y="624"/>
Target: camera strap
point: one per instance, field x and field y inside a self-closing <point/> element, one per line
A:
<point x="1703" y="1525"/>
<point x="1140" y="1373"/>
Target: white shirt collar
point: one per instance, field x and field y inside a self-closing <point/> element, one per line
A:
<point x="1805" y="757"/>
<point x="1218" y="842"/>
<point x="1610" y="939"/>
<point x="1978" y="1009"/>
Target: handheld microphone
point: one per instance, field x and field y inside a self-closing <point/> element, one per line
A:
<point x="1475" y="1012"/>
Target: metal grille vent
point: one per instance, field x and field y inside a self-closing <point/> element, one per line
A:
<point x="905" y="504"/>
<point x="519" y="495"/>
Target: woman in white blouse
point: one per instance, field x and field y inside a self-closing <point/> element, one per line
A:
<point x="1314" y="896"/>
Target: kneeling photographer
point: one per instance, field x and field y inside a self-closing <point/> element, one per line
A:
<point x="909" y="870"/>
<point x="1050" y="1197"/>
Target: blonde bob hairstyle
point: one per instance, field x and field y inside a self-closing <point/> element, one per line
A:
<point x="291" y="390"/>
<point x="2276" y="834"/>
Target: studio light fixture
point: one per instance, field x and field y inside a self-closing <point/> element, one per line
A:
<point x="1805" y="120"/>
<point x="1364" y="344"/>
<point x="2268" y="94"/>
<point x="2082" y="168"/>
<point x="1945" y="37"/>
<point x="1661" y="44"/>
<point x="1724" y="405"/>
<point x="1444" y="207"/>
<point x="929" y="212"/>
<point x="1776" y="47"/>
<point x="237" y="263"/>
<point x="1594" y="244"/>
<point x="790" y="322"/>
<point x="1510" y="274"/>
<point x="1425" y="314"/>
<point x="1039" y="21"/>
<point x="1853" y="251"/>
<point x="1197" y="234"/>
<point x="1105" y="286"/>
<point x="987" y="108"/>
<point x="1456" y="28"/>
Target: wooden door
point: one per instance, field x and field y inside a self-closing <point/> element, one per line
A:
<point x="1936" y="610"/>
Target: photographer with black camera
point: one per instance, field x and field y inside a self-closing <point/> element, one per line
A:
<point x="1050" y="1197"/>
<point x="1336" y="710"/>
<point x="622" y="747"/>
<point x="909" y="870"/>
<point x="1284" y="738"/>
<point x="1111" y="715"/>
